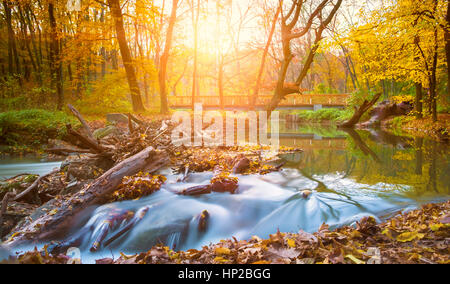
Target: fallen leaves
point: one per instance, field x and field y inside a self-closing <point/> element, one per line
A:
<point x="140" y="185"/>
<point x="221" y="250"/>
<point x="414" y="237"/>
<point x="409" y="236"/>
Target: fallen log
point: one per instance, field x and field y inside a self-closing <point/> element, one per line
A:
<point x="136" y="219"/>
<point x="136" y="120"/>
<point x="34" y="185"/>
<point x="4" y="207"/>
<point x="66" y="151"/>
<point x="197" y="190"/>
<point x="81" y="119"/>
<point x="387" y="110"/>
<point x="221" y="182"/>
<point x="86" y="141"/>
<point x="65" y="212"/>
<point x="366" y="105"/>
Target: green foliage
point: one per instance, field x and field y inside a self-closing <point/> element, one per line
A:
<point x="16" y="95"/>
<point x="358" y="97"/>
<point x="32" y="127"/>
<point x="106" y="96"/>
<point x="326" y="114"/>
<point x="322" y="89"/>
<point x="443" y="109"/>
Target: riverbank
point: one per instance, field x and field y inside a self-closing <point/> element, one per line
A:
<point x="416" y="237"/>
<point x="323" y="116"/>
<point x="29" y="131"/>
<point x="426" y="128"/>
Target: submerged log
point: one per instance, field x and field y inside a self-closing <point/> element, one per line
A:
<point x="197" y="190"/>
<point x="65" y="212"/>
<point x="221" y="182"/>
<point x="133" y="222"/>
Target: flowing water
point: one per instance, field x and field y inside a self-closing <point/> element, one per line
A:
<point x="10" y="167"/>
<point x="351" y="175"/>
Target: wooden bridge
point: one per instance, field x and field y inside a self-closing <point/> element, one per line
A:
<point x="294" y="101"/>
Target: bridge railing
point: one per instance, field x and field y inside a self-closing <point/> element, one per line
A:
<point x="291" y="100"/>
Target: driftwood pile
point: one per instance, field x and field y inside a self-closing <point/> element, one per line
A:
<point x="120" y="166"/>
<point x="92" y="177"/>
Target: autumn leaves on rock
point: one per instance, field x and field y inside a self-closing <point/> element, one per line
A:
<point x="138" y="186"/>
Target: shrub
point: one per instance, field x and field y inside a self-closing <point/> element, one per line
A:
<point x="107" y="96"/>
<point x="326" y="114"/>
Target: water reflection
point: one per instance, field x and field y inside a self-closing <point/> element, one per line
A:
<point x="421" y="164"/>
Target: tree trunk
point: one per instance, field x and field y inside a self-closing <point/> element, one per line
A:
<point x="103" y="49"/>
<point x="136" y="99"/>
<point x="433" y="84"/>
<point x="13" y="57"/>
<point x="288" y="35"/>
<point x="27" y="39"/>
<point x="33" y="43"/>
<point x="165" y="59"/>
<point x="55" y="64"/>
<point x="263" y="60"/>
<point x="195" y="20"/>
<point x="418" y="104"/>
<point x="447" y="47"/>
<point x="220" y="84"/>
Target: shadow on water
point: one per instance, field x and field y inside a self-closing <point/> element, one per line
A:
<point x="351" y="174"/>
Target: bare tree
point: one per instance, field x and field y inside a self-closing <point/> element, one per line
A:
<point x="289" y="32"/>
<point x="195" y="22"/>
<point x="165" y="59"/>
<point x="263" y="60"/>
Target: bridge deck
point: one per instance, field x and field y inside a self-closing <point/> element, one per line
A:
<point x="295" y="101"/>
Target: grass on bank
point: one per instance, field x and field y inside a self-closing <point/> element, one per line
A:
<point x="323" y="115"/>
<point x="33" y="127"/>
<point x="424" y="127"/>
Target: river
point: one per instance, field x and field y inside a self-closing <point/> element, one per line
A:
<point x="351" y="174"/>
